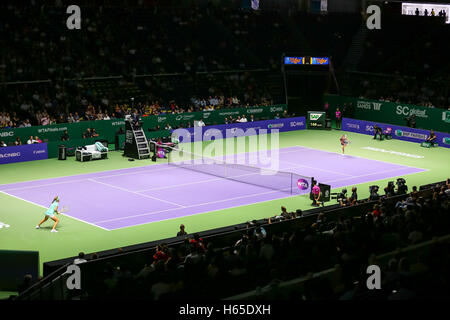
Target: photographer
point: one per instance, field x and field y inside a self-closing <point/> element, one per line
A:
<point x="389" y="191"/>
<point x="354" y="197"/>
<point x="402" y="188"/>
<point x="374" y="196"/>
<point x="342" y="198"/>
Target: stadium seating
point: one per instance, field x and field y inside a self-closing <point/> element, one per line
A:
<point x="295" y="251"/>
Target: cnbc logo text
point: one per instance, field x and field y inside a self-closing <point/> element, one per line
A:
<point x="10" y="155"/>
<point x="7" y="134"/>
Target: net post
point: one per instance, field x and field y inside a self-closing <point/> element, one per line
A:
<point x="291" y="183"/>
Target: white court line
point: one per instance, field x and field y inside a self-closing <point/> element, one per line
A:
<point x="149" y="167"/>
<point x="64" y="214"/>
<point x="198" y="205"/>
<point x="391" y="163"/>
<point x="84" y="179"/>
<point x="329" y="171"/>
<point x="378" y="172"/>
<point x="215" y="179"/>
<point x="135" y="192"/>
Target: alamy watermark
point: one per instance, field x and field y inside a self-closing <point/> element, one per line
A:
<point x="374" y="280"/>
<point x="234" y="146"/>
<point x="374" y="20"/>
<point x="74" y="279"/>
<point x="74" y="20"/>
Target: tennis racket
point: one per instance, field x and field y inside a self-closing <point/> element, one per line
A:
<point x="64" y="209"/>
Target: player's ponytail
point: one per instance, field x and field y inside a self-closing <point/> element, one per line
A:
<point x="55" y="198"/>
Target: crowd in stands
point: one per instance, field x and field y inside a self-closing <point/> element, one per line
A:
<point x="214" y="39"/>
<point x="400" y="89"/>
<point x="264" y="259"/>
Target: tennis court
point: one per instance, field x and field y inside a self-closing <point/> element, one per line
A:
<point x="123" y="198"/>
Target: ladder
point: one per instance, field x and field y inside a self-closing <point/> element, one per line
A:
<point x="141" y="143"/>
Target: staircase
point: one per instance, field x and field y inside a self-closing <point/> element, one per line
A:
<point x="141" y="143"/>
<point x="356" y="50"/>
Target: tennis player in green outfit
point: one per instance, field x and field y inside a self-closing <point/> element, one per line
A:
<point x="50" y="213"/>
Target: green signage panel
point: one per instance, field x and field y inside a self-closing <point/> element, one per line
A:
<point x="390" y="112"/>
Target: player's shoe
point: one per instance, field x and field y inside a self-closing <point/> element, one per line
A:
<point x="37" y="227"/>
<point x="54" y="230"/>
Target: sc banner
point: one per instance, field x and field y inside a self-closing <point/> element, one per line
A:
<point x="29" y="152"/>
<point x="249" y="128"/>
<point x="398" y="132"/>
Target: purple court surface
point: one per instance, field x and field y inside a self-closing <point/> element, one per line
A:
<point x="129" y="197"/>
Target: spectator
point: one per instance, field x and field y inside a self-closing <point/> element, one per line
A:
<point x="88" y="133"/>
<point x="94" y="256"/>
<point x="197" y="242"/>
<point x="3" y="144"/>
<point x="37" y="140"/>
<point x="18" y="142"/>
<point x="161" y="254"/>
<point x="80" y="258"/>
<point x="94" y="133"/>
<point x="26" y="283"/>
<point x="31" y="140"/>
<point x="182" y="232"/>
<point x="65" y="136"/>
<point x="260" y="233"/>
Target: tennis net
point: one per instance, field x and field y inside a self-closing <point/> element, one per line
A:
<point x="288" y="182"/>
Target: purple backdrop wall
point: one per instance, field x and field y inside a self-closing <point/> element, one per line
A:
<point x="27" y="152"/>
<point x="283" y="125"/>
<point x="398" y="132"/>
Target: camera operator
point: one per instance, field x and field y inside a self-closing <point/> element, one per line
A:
<point x="389" y="191"/>
<point x="374" y="196"/>
<point x="354" y="197"/>
<point x="342" y="198"/>
<point x="402" y="188"/>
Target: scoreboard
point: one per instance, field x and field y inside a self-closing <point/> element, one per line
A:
<point x="316" y="119"/>
<point x="314" y="61"/>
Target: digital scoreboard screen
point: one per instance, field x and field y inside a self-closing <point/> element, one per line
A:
<point x="316" y="119"/>
<point x="310" y="61"/>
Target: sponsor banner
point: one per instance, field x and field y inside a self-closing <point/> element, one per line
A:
<point x="248" y="128"/>
<point x="107" y="128"/>
<point x="396" y="113"/>
<point x="27" y="152"/>
<point x="398" y="132"/>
